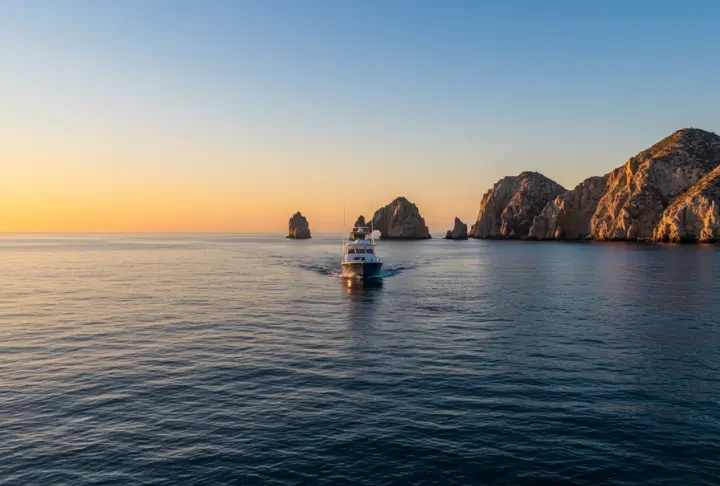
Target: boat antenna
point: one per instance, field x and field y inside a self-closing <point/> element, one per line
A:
<point x="343" y="226"/>
<point x="372" y="237"/>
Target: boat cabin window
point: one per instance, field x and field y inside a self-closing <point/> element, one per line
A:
<point x="361" y="250"/>
<point x="351" y="250"/>
<point x="370" y="250"/>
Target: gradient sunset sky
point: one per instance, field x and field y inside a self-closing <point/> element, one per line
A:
<point x="230" y="116"/>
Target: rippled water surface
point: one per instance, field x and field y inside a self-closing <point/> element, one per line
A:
<point x="192" y="360"/>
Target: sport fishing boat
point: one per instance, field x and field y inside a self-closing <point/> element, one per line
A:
<point x="359" y="259"/>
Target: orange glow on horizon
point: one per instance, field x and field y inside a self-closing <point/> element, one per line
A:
<point x="67" y="191"/>
<point x="189" y="210"/>
<point x="169" y="213"/>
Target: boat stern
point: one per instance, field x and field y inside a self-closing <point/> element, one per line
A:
<point x="362" y="270"/>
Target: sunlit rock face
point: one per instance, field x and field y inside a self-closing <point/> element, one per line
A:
<point x="298" y="227"/>
<point x="508" y="209"/>
<point x="400" y="220"/>
<point x="638" y="193"/>
<point x="694" y="216"/>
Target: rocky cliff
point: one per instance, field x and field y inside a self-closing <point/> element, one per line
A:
<point x="459" y="231"/>
<point x="638" y="193"/>
<point x="694" y="216"/>
<point x="568" y="216"/>
<point x="508" y="209"/>
<point x="400" y="220"/>
<point x="298" y="227"/>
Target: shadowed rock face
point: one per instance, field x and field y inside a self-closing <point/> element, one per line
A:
<point x="568" y="216"/>
<point x="400" y="220"/>
<point x="298" y="227"/>
<point x="694" y="216"/>
<point x="638" y="193"/>
<point x="508" y="209"/>
<point x="360" y="222"/>
<point x="459" y="231"/>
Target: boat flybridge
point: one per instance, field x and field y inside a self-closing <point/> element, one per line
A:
<point x="359" y="259"/>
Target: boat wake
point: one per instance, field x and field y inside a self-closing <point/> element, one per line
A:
<point x="319" y="269"/>
<point x="391" y="271"/>
<point x="386" y="272"/>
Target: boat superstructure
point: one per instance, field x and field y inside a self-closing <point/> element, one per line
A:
<point x="359" y="259"/>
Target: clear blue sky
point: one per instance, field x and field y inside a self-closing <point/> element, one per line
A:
<point x="271" y="99"/>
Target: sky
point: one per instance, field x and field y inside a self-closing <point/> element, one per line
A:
<point x="216" y="116"/>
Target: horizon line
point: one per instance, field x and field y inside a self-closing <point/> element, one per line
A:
<point x="2" y="233"/>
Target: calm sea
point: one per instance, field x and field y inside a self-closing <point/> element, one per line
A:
<point x="239" y="360"/>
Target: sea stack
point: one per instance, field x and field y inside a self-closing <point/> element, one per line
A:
<point x="459" y="231"/>
<point x="298" y="227"/>
<point x="508" y="209"/>
<point x="400" y="220"/>
<point x="360" y="223"/>
<point x="639" y="192"/>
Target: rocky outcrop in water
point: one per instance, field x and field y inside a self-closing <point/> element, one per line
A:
<point x="360" y="223"/>
<point x="663" y="193"/>
<point x="568" y="216"/>
<point x="298" y="227"/>
<point x="694" y="216"/>
<point x="638" y="193"/>
<point x="400" y="220"/>
<point x="459" y="231"/>
<point x="508" y="209"/>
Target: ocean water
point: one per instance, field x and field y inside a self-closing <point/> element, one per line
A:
<point x="244" y="359"/>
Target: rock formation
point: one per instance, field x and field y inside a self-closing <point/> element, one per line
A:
<point x="568" y="216"/>
<point x="668" y="192"/>
<point x="459" y="231"/>
<point x="507" y="210"/>
<point x="360" y="222"/>
<point x="298" y="227"/>
<point x="694" y="216"/>
<point x="400" y="220"/>
<point x="638" y="193"/>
